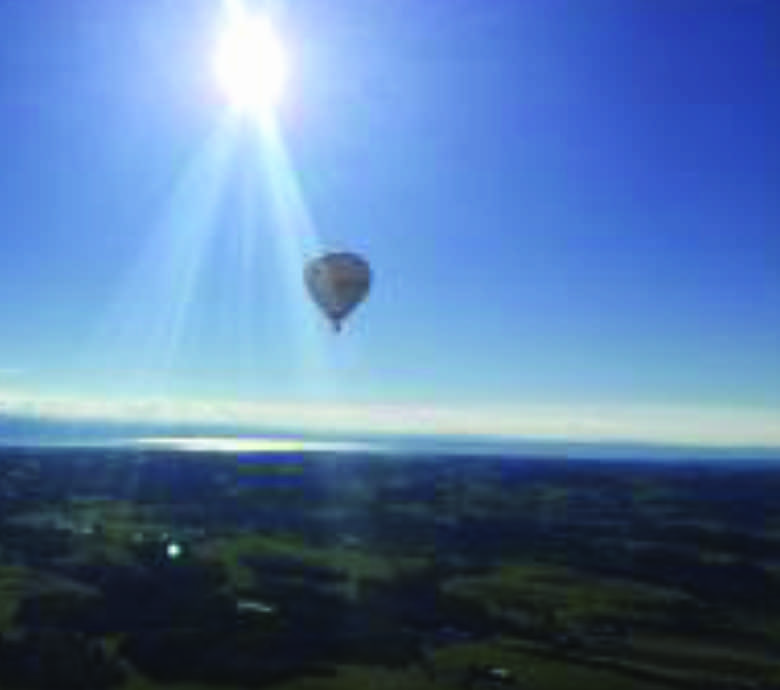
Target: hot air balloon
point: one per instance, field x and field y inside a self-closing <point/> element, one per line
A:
<point x="337" y="282"/>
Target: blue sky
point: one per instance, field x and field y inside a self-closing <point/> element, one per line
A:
<point x="569" y="207"/>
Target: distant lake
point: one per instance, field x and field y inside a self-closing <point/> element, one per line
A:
<point x="211" y="440"/>
<point x="254" y="445"/>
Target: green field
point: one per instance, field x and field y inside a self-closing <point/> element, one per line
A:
<point x="569" y="596"/>
<point x="354" y="563"/>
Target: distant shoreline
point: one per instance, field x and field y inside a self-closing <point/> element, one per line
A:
<point x="237" y="444"/>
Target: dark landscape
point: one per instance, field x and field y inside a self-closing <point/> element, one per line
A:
<point x="148" y="568"/>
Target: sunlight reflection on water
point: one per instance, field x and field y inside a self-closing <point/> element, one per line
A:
<point x="256" y="445"/>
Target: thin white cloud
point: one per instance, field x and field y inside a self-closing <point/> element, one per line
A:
<point x="712" y="426"/>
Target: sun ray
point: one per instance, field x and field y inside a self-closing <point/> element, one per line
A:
<point x="296" y="240"/>
<point x="139" y="336"/>
<point x="142" y="333"/>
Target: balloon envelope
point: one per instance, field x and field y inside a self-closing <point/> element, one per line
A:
<point x="338" y="282"/>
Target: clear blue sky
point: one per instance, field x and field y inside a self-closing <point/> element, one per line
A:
<point x="564" y="202"/>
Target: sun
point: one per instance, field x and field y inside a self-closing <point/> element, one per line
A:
<point x="249" y="62"/>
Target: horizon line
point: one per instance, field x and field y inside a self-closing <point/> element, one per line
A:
<point x="628" y="424"/>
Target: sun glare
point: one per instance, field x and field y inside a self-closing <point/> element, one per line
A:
<point x="249" y="63"/>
